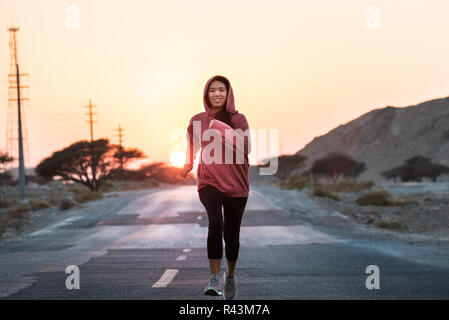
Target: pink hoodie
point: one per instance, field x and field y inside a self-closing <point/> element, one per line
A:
<point x="230" y="178"/>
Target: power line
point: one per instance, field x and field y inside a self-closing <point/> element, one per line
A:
<point x="39" y="117"/>
<point x="60" y="112"/>
<point x="38" y="110"/>
<point x="54" y="103"/>
<point x="107" y="123"/>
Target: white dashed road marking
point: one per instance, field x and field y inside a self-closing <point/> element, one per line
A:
<point x="186" y="250"/>
<point x="166" y="278"/>
<point x="181" y="258"/>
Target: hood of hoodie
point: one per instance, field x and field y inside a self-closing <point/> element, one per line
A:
<point x="230" y="106"/>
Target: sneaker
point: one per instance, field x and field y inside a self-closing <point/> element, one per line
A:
<point x="213" y="289"/>
<point x="229" y="287"/>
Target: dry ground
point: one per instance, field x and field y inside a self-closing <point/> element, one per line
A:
<point x="42" y="203"/>
<point x="425" y="218"/>
<point x="428" y="218"/>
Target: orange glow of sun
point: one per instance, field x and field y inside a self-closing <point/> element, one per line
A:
<point x="177" y="159"/>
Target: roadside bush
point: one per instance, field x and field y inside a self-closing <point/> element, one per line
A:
<point x="375" y="198"/>
<point x="15" y="218"/>
<point x="37" y="204"/>
<point x="295" y="181"/>
<point x="53" y="200"/>
<point x="87" y="195"/>
<point x="351" y="185"/>
<point x="77" y="189"/>
<point x="322" y="192"/>
<point x="405" y="202"/>
<point x="107" y="186"/>
<point x="20" y="211"/>
<point x="66" y="203"/>
<point x="391" y="224"/>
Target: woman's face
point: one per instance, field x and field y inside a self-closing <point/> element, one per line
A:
<point x="217" y="95"/>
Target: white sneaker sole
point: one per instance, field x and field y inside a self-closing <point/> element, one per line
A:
<point x="212" y="292"/>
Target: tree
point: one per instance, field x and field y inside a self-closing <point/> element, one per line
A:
<point x="415" y="169"/>
<point x="5" y="177"/>
<point x="356" y="170"/>
<point x="88" y="163"/>
<point x="4" y="158"/>
<point x="124" y="156"/>
<point x="288" y="164"/>
<point x="336" y="164"/>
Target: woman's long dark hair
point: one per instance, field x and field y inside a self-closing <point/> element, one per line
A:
<point x="223" y="115"/>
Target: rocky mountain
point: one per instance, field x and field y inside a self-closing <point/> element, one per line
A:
<point x="384" y="138"/>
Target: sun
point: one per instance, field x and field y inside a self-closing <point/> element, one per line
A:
<point x="177" y="159"/>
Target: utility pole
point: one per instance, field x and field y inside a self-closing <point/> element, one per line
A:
<point x="15" y="84"/>
<point x="91" y="121"/>
<point x="120" y="136"/>
<point x="93" y="162"/>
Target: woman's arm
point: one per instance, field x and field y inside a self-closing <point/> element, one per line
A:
<point x="193" y="146"/>
<point x="242" y="141"/>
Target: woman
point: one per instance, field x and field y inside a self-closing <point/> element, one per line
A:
<point x="223" y="184"/>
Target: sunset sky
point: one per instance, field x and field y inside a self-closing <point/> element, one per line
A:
<point x="300" y="66"/>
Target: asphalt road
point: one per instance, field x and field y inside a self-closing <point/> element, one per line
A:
<point x="152" y="245"/>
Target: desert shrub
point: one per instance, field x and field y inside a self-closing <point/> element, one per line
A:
<point x="295" y="181"/>
<point x="351" y="185"/>
<point x="66" y="203"/>
<point x="405" y="202"/>
<point x="53" y="201"/>
<point x="20" y="211"/>
<point x="392" y="224"/>
<point x="37" y="204"/>
<point x="375" y="198"/>
<point x="83" y="194"/>
<point x="87" y="195"/>
<point x="323" y="192"/>
<point x="107" y="186"/>
<point x="77" y="189"/>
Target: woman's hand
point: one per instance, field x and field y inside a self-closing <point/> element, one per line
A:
<point x="187" y="168"/>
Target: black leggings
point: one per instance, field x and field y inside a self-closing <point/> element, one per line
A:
<point x="213" y="201"/>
